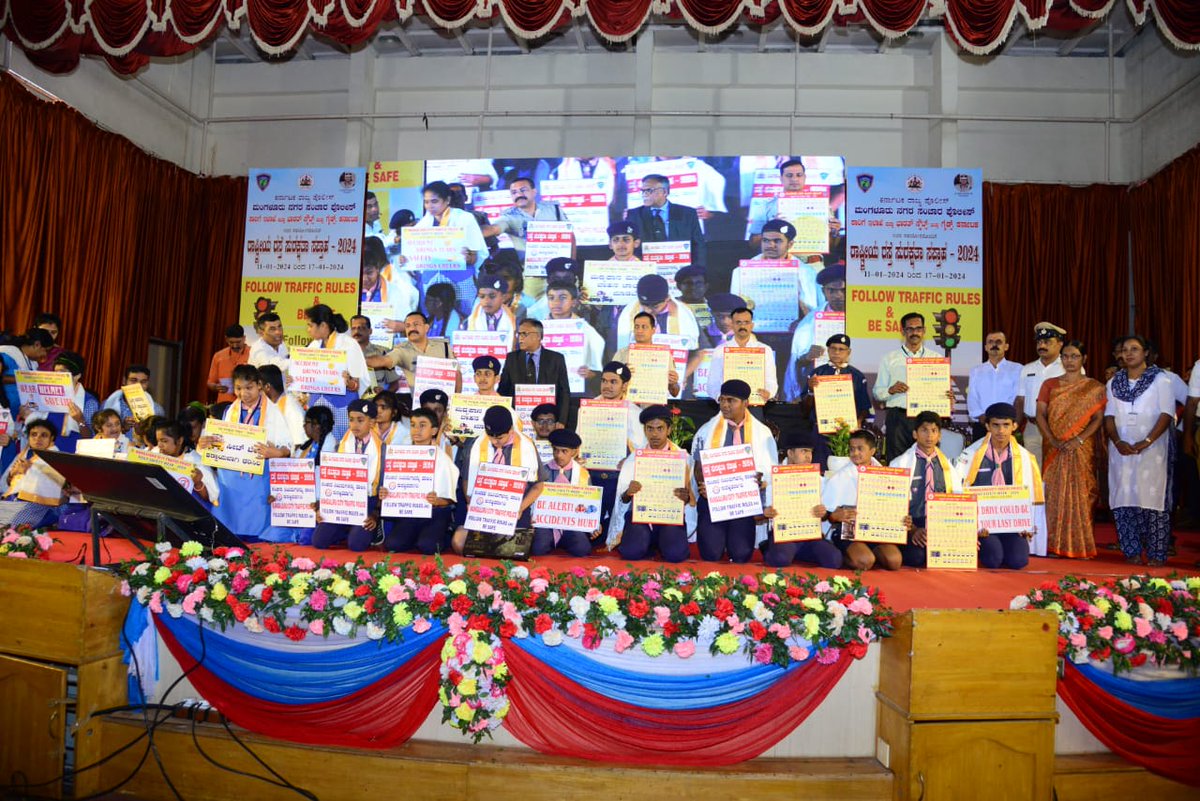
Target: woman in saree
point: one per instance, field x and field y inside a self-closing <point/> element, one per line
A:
<point x="1070" y="411"/>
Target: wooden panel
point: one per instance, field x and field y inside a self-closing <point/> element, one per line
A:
<point x="59" y="612"/>
<point x="1107" y="777"/>
<point x="32" y="724"/>
<point x="895" y="662"/>
<point x="973" y="664"/>
<point x="102" y="685"/>
<point x="893" y="732"/>
<point x="982" y="761"/>
<point x="438" y="770"/>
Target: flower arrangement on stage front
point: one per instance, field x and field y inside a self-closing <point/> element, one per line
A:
<point x="773" y="618"/>
<point x="1129" y="622"/>
<point x="23" y="542"/>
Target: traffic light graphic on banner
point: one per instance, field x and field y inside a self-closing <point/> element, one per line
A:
<point x="947" y="329"/>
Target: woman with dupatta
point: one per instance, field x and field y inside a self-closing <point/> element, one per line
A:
<point x="1070" y="410"/>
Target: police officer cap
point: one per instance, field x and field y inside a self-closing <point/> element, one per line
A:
<point x="781" y="226"/>
<point x="1048" y="331"/>
<point x="736" y="388"/>
<point x="658" y="412"/>
<point x="624" y="228"/>
<point x="544" y="408"/>
<point x="496" y="282"/>
<point x="562" y="264"/>
<point x="1001" y="411"/>
<point x="691" y="271"/>
<point x="652" y="289"/>
<point x="834" y="272"/>
<point x="838" y="339"/>
<point x="497" y="421"/>
<point x="725" y="302"/>
<point x="486" y="363"/>
<point x="561" y="438"/>
<point x="434" y="396"/>
<point x="618" y="369"/>
<point x="799" y="439"/>
<point x="362" y="407"/>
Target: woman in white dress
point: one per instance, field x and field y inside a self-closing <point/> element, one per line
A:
<point x="1138" y="418"/>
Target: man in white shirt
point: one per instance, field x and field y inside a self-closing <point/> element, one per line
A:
<point x="777" y="238"/>
<point x="134" y="374"/>
<point x="1050" y="340"/>
<point x="890" y="387"/>
<point x="743" y="337"/>
<point x="270" y="347"/>
<point x="995" y="381"/>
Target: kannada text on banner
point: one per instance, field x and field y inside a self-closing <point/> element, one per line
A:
<point x="303" y="246"/>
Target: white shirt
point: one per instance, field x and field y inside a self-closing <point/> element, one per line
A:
<point x="810" y="294"/>
<point x="1194" y="384"/>
<point x="894" y="367"/>
<point x="262" y="354"/>
<point x="688" y="327"/>
<point x="1140" y="480"/>
<point x="990" y="384"/>
<point x="356" y="363"/>
<point x="279" y="434"/>
<point x="716" y="370"/>
<point x="472" y="236"/>
<point x="1033" y="375"/>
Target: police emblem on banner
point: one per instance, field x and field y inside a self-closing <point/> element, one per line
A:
<point x="263" y="180"/>
<point x="865" y="182"/>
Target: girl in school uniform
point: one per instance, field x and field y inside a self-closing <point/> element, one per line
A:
<point x="32" y="486"/>
<point x="318" y="427"/>
<point x="328" y="330"/>
<point x="173" y="439"/>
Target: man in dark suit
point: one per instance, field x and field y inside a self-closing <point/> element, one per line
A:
<point x="660" y="220"/>
<point x="530" y="363"/>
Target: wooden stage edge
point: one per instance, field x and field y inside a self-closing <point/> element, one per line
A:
<point x="440" y="770"/>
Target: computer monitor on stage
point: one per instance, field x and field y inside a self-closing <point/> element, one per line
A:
<point x="142" y="502"/>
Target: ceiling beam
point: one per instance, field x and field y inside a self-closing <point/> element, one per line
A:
<point x="244" y="47"/>
<point x="302" y="51"/>
<point x="406" y="40"/>
<point x="1015" y="35"/>
<point x="824" y="40"/>
<point x="579" y="40"/>
<point x="462" y="40"/>
<point x="762" y="40"/>
<point x="1069" y="46"/>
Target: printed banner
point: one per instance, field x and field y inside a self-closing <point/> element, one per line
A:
<point x="795" y="492"/>
<point x="345" y="487"/>
<point x="408" y="477"/>
<point x="139" y="401"/>
<point x="952" y="532"/>
<point x="833" y="396"/>
<point x="668" y="258"/>
<point x="808" y="210"/>
<point x="660" y="473"/>
<point x="568" y="337"/>
<point x="465" y="415"/>
<point x="180" y="469"/>
<point x="435" y="373"/>
<point x="496" y="499"/>
<point x="545" y="240"/>
<point x="568" y="507"/>
<point x="46" y="390"/>
<point x="825" y="325"/>
<point x="1004" y="508"/>
<point x="318" y="371"/>
<point x="651" y="367"/>
<point x="928" y="381"/>
<point x="439" y="248"/>
<point x="613" y="283"/>
<point x="294" y="488"/>
<point x="585" y="202"/>
<point x="526" y="398"/>
<point x="234" y="446"/>
<point x="467" y="345"/>
<point x="731" y="482"/>
<point x="914" y="244"/>
<point x="602" y="425"/>
<point x="749" y="365"/>
<point x="379" y="314"/>
<point x="882" y="505"/>
<point x="775" y="287"/>
<point x="303" y="245"/>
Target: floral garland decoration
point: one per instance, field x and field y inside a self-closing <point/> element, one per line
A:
<point x="24" y="542"/>
<point x="773" y="618"/>
<point x="1127" y="622"/>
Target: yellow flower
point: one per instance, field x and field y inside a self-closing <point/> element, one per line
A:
<point x="501" y="712"/>
<point x="1161" y="584"/>
<point x="1056" y="607"/>
<point x="672" y="594"/>
<point x="191" y="548"/>
<point x="1193" y="583"/>
<point x="352" y="610"/>
<point x="218" y="592"/>
<point x="481" y="653"/>
<point x="812" y="625"/>
<point x="699" y="594"/>
<point x="608" y="604"/>
<point x="750" y="601"/>
<point x="815" y="604"/>
<point x="465" y="713"/>
<point x="443" y="697"/>
<point x="770" y="579"/>
<point x="404" y="618"/>
<point x="468" y="687"/>
<point x="387" y="582"/>
<point x="1123" y="621"/>
<point x="161" y="575"/>
<point x="1103" y="604"/>
<point x="500" y="671"/>
<point x="300" y="579"/>
<point x="728" y="642"/>
<point x="297" y="593"/>
<point x="448" y="648"/>
<point x="841" y="582"/>
<point x="4" y="548"/>
<point x="341" y="586"/>
<point x="273" y="579"/>
<point x="713" y="575"/>
<point x="458" y="586"/>
<point x="654" y="645"/>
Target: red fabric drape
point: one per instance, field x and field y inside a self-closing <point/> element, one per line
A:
<point x="122" y="245"/>
<point x="1160" y="745"/>
<point x="554" y="715"/>
<point x="1166" y="259"/>
<point x="383" y="715"/>
<point x="1056" y="253"/>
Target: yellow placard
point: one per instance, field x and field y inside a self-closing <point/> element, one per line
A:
<point x="749" y="365"/>
<point x="874" y="312"/>
<point x="465" y="414"/>
<point x="318" y="371"/>
<point x="138" y="400"/>
<point x="952" y="532"/>
<point x="834" y="399"/>
<point x="928" y="382"/>
<point x="234" y="449"/>
<point x="882" y="504"/>
<point x="795" y="492"/>
<point x="660" y="473"/>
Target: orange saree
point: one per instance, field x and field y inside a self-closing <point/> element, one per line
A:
<point x="1069" y="474"/>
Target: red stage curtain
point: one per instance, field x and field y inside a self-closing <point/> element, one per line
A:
<point x="1166" y="259"/>
<point x="1055" y="253"/>
<point x="124" y="246"/>
<point x="555" y="715"/>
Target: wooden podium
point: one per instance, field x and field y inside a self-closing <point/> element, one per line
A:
<point x="60" y="660"/>
<point x="966" y="705"/>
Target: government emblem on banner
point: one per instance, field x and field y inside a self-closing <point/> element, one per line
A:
<point x="915" y="183"/>
<point x="263" y="180"/>
<point x="865" y="182"/>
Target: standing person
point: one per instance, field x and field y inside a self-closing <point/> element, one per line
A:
<point x="1047" y="365"/>
<point x="890" y="386"/>
<point x="244" y="508"/>
<point x="23" y="353"/>
<point x="777" y="238"/>
<point x="533" y="364"/>
<point x="428" y="535"/>
<point x="564" y="469"/>
<point x="525" y="209"/>
<point x="52" y="324"/>
<point x="838" y="347"/>
<point x="360" y="332"/>
<point x="743" y="337"/>
<point x="995" y="381"/>
<point x="1138" y="418"/>
<point x="998" y="461"/>
<point x="360" y="438"/>
<point x="931" y="473"/>
<point x="328" y="330"/>
<point x="660" y="220"/>
<point x="805" y="349"/>
<point x="417" y="343"/>
<point x="220" y="369"/>
<point x="439" y="212"/>
<point x="134" y="374"/>
<point x="733" y="426"/>
<point x="270" y="347"/>
<point x="1070" y="411"/>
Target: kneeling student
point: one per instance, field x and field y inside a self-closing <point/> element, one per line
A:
<point x="564" y="470"/>
<point x="800" y="446"/>
<point x="360" y="438"/>
<point x="839" y="502"/>
<point x="931" y="473"/>
<point x="429" y="535"/>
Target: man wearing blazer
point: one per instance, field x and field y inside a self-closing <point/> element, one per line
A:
<point x="530" y="363"/>
<point x="660" y="220"/>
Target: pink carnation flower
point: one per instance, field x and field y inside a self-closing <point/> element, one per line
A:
<point x="1179" y="630"/>
<point x="751" y="583"/>
<point x="303" y="563"/>
<point x="1141" y="627"/>
<point x="763" y="653"/>
<point x="823" y="586"/>
<point x="592" y="594"/>
<point x="578" y="572"/>
<point x="780" y="630"/>
<point x="861" y="606"/>
<point x="397" y="593"/>
<point x="17" y="555"/>
<point x="318" y="600"/>
<point x="238" y="584"/>
<point x="829" y="656"/>
<point x="317" y="627"/>
<point x="1158" y="637"/>
<point x="156" y="602"/>
<point x="684" y="649"/>
<point x="184" y="582"/>
<point x="797" y="653"/>
<point x="362" y="575"/>
<point x="485" y="589"/>
<point x="456" y="624"/>
<point x="424" y="594"/>
<point x="421" y="625"/>
<point x="684" y="578"/>
<point x="539" y="585"/>
<point x="1078" y="640"/>
<point x="1105" y="632"/>
<point x="1124" y="644"/>
<point x="865" y="634"/>
<point x="662" y="615"/>
<point x="44" y="541"/>
<point x="651" y="590"/>
<point x="575" y="629"/>
<point x="125" y="590"/>
<point x="624" y="640"/>
<point x="486" y="572"/>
